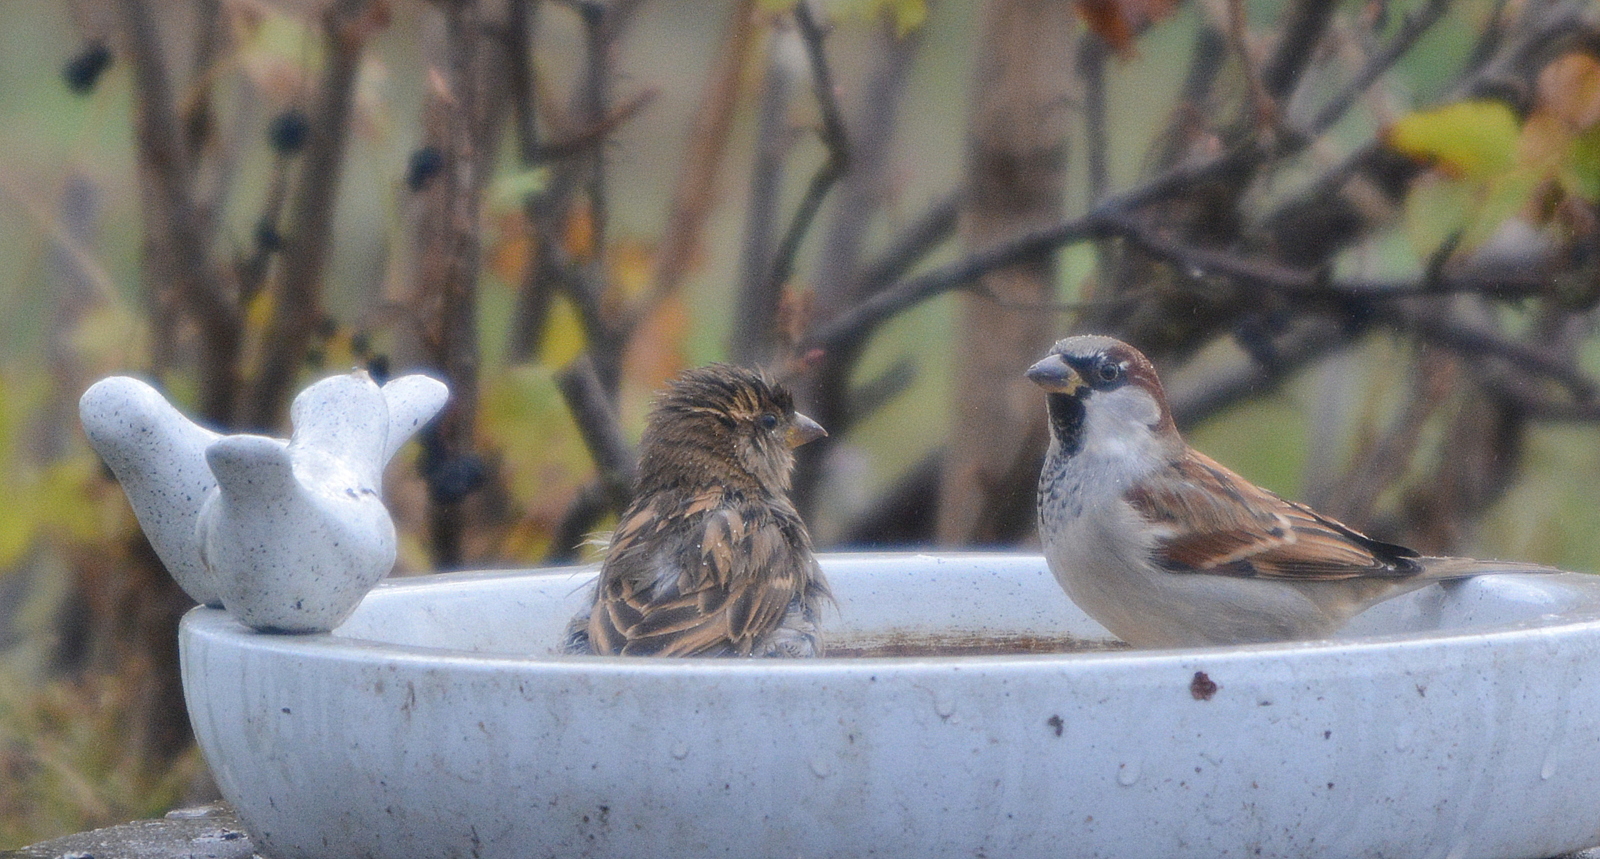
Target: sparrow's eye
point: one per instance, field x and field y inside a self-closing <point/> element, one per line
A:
<point x="1109" y="371"/>
<point x="768" y="421"/>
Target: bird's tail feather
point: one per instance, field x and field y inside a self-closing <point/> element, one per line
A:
<point x="1440" y="568"/>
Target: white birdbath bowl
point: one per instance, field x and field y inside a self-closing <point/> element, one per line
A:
<point x="1456" y="722"/>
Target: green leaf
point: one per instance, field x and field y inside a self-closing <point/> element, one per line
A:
<point x="1582" y="176"/>
<point x="1475" y="138"/>
<point x="509" y="190"/>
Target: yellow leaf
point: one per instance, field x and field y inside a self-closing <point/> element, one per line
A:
<point x="908" y="15"/>
<point x="563" y="334"/>
<point x="1475" y="138"/>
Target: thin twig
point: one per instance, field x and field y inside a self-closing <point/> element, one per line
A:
<point x="536" y="289"/>
<point x="861" y="320"/>
<point x="837" y="278"/>
<point x="1264" y="108"/>
<point x="1249" y="378"/>
<point x="1536" y="407"/>
<point x="1488" y="42"/>
<point x="464" y="119"/>
<point x="1192" y="116"/>
<point x="309" y="228"/>
<point x="693" y="198"/>
<point x="833" y="137"/>
<point x="594" y="100"/>
<point x="925" y="234"/>
<point x="1092" y="69"/>
<point x="868" y="397"/>
<point x="521" y="78"/>
<point x="583" y="514"/>
<point x="267" y="240"/>
<point x="836" y="273"/>
<point x="607" y="345"/>
<point x="756" y="302"/>
<point x="1416" y="24"/>
<point x="184" y="237"/>
<point x="1426" y="323"/>
<point x="586" y="140"/>
<point x="600" y="428"/>
<point x="1307" y="21"/>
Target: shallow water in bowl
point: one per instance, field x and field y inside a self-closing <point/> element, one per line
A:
<point x="920" y="645"/>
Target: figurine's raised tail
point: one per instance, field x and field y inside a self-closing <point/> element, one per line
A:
<point x="158" y="456"/>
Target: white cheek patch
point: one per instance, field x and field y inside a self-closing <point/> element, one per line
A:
<point x="1118" y="415"/>
<point x="1118" y="428"/>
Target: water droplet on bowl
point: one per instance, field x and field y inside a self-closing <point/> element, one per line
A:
<point x="1549" y="769"/>
<point x="1129" y="773"/>
<point x="821" y="768"/>
<point x="943" y="706"/>
<point x="680" y="751"/>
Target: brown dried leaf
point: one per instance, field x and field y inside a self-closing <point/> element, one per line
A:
<point x="1118" y="22"/>
<point x="1569" y="88"/>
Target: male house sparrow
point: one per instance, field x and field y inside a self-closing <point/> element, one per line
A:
<point x="711" y="558"/>
<point x="1167" y="548"/>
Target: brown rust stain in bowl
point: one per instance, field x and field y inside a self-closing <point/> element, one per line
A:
<point x="959" y="643"/>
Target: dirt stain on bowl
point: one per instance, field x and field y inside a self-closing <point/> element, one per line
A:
<point x="903" y="645"/>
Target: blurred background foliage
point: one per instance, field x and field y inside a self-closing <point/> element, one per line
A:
<point x="1360" y="238"/>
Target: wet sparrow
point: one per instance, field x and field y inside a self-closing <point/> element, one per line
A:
<point x="711" y="558"/>
<point x="1167" y="548"/>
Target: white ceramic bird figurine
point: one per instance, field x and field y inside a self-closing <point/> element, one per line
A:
<point x="288" y="536"/>
<point x="158" y="456"/>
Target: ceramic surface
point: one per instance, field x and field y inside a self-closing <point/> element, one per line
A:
<point x="1461" y="721"/>
<point x="288" y="535"/>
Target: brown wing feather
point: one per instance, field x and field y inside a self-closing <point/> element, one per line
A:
<point x="714" y="580"/>
<point x="1221" y="524"/>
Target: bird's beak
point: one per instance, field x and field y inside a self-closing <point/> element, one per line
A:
<point x="1055" y="375"/>
<point x="803" y="430"/>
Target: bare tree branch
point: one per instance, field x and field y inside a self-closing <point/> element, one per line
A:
<point x="1264" y="111"/>
<point x="758" y="302"/>
<point x="1428" y="324"/>
<point x="597" y="421"/>
<point x="1221" y="389"/>
<point x="1092" y="52"/>
<point x="925" y="234"/>
<point x="1416" y="25"/>
<point x="309" y="226"/>
<point x="692" y="200"/>
<point x="863" y="319"/>
<point x="1304" y="25"/>
<point x="181" y="233"/>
